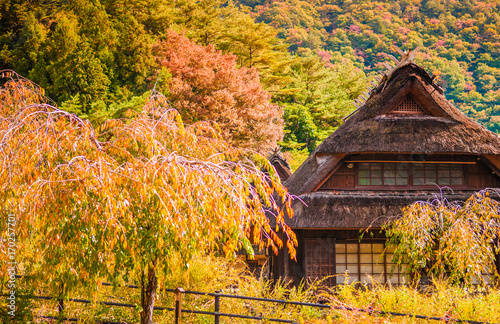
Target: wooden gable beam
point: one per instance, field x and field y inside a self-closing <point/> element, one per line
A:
<point x="398" y="50"/>
<point x="395" y="60"/>
<point x="326" y="163"/>
<point x="334" y="169"/>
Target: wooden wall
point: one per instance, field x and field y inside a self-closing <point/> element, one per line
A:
<point x="480" y="176"/>
<point x="344" y="178"/>
<point x="477" y="175"/>
<point x="294" y="270"/>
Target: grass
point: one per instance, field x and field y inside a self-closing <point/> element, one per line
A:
<point x="209" y="274"/>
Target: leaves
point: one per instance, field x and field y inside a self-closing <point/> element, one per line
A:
<point x="316" y="99"/>
<point x="441" y="237"/>
<point x="93" y="205"/>
<point x="206" y="85"/>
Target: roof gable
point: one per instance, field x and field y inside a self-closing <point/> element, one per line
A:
<point x="374" y="127"/>
<point x="411" y="81"/>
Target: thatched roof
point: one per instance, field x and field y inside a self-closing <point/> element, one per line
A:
<point x="356" y="209"/>
<point x="373" y="129"/>
<point x="446" y="130"/>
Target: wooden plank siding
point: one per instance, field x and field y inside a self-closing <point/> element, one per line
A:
<point x="344" y="178"/>
<point x="477" y="174"/>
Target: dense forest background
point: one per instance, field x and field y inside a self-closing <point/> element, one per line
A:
<point x="265" y="71"/>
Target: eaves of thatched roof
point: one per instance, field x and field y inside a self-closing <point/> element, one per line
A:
<point x="353" y="210"/>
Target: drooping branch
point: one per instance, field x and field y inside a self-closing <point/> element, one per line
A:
<point x="442" y="237"/>
<point x="94" y="208"/>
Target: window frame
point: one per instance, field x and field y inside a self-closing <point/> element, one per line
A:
<point x="410" y="176"/>
<point x="387" y="264"/>
<point x="330" y="247"/>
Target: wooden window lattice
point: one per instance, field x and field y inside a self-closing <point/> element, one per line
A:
<point x="378" y="174"/>
<point x="409" y="106"/>
<point x="361" y="261"/>
<point x="383" y="174"/>
<point x="366" y="262"/>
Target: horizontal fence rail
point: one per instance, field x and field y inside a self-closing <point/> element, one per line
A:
<point x="217" y="314"/>
<point x="324" y="306"/>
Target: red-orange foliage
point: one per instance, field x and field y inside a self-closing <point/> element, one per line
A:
<point x="206" y="85"/>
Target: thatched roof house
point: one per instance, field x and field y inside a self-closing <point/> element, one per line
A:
<point x="400" y="146"/>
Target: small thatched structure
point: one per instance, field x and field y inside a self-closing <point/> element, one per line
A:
<point x="280" y="165"/>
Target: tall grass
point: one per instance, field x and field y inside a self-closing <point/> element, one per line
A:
<point x="210" y="274"/>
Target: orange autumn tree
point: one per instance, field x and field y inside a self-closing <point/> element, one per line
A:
<point x="206" y="85"/>
<point x="114" y="204"/>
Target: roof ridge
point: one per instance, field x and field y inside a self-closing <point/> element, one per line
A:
<point x="407" y="58"/>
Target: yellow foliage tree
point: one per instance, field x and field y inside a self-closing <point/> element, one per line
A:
<point x="114" y="203"/>
<point x="441" y="238"/>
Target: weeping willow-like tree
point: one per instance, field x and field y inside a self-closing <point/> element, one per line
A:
<point x="442" y="238"/>
<point x="114" y="203"/>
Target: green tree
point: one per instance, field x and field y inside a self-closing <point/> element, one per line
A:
<point x="299" y="20"/>
<point x="251" y="42"/>
<point x="78" y="51"/>
<point x="317" y="99"/>
<point x="69" y="65"/>
<point x="301" y="131"/>
<point x="256" y="46"/>
<point x="207" y="22"/>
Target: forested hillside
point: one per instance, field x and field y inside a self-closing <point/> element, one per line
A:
<point x="460" y="40"/>
<point x="298" y="63"/>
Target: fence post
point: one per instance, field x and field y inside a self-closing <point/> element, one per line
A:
<point x="217" y="306"/>
<point x="178" y="299"/>
<point x="60" y="306"/>
<point x="60" y="302"/>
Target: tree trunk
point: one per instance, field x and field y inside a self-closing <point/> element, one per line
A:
<point x="60" y="304"/>
<point x="148" y="294"/>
